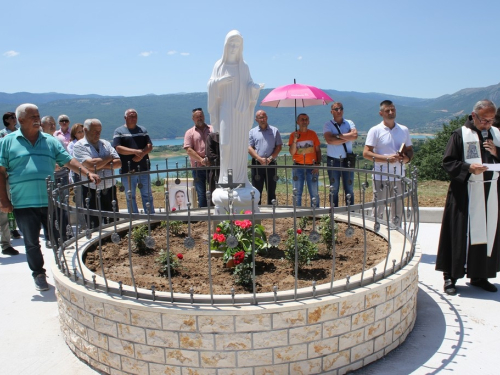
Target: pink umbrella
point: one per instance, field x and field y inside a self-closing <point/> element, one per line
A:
<point x="296" y="95"/>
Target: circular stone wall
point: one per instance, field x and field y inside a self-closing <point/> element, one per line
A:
<point x="330" y="334"/>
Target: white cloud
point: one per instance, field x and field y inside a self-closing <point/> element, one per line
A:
<point x="171" y="52"/>
<point x="11" y="53"/>
<point x="184" y="53"/>
<point x="146" y="54"/>
<point x="299" y="58"/>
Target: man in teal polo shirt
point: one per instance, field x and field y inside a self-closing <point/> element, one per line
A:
<point x="27" y="157"/>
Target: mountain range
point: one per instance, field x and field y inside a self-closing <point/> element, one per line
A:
<point x="169" y="116"/>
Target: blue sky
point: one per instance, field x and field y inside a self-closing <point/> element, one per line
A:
<point x="411" y="48"/>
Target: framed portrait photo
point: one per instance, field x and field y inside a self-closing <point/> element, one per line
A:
<point x="179" y="195"/>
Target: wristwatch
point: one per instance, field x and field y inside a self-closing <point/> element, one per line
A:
<point x="338" y="136"/>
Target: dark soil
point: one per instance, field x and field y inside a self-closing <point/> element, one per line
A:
<point x="271" y="270"/>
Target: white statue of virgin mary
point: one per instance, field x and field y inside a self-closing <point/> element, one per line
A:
<point x="232" y="96"/>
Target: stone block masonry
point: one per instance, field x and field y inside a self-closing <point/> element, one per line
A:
<point x="332" y="334"/>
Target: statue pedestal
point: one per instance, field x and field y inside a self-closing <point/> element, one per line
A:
<point x="242" y="200"/>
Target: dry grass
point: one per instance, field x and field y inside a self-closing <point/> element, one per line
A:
<point x="430" y="194"/>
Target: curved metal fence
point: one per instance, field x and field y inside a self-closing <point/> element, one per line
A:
<point x="376" y="211"/>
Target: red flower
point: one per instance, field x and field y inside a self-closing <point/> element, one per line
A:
<point x="239" y="257"/>
<point x="218" y="230"/>
<point x="219" y="237"/>
<point x="173" y="209"/>
<point x="243" y="224"/>
<point x="299" y="231"/>
<point x="248" y="212"/>
<point x="180" y="256"/>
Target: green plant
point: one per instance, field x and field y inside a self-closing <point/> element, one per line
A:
<point x="168" y="258"/>
<point x="303" y="221"/>
<point x="325" y="230"/>
<point x="139" y="234"/>
<point x="243" y="273"/>
<point x="307" y="250"/>
<point x="176" y="227"/>
<point x="429" y="158"/>
<point x="242" y="233"/>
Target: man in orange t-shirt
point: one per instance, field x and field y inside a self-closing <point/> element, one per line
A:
<point x="304" y="147"/>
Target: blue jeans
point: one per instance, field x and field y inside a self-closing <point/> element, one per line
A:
<point x="312" y="184"/>
<point x="200" y="184"/>
<point x="146" y="193"/>
<point x="347" y="180"/>
<point x="29" y="221"/>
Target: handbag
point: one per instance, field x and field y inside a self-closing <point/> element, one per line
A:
<point x="350" y="156"/>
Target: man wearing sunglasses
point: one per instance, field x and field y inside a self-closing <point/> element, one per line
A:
<point x="64" y="132"/>
<point x="469" y="244"/>
<point x="9" y="120"/>
<point x="339" y="134"/>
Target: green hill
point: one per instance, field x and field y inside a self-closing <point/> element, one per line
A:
<point x="168" y="116"/>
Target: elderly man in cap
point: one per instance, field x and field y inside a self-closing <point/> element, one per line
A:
<point x="64" y="132"/>
<point x="27" y="157"/>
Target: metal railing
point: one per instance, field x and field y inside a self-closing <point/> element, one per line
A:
<point x="69" y="254"/>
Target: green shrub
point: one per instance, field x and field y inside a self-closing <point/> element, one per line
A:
<point x="429" y="157"/>
<point x="139" y="234"/>
<point x="163" y="261"/>
<point x="303" y="221"/>
<point x="307" y="250"/>
<point x="325" y="230"/>
<point x="176" y="227"/>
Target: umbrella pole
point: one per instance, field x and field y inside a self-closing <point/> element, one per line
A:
<point x="295" y="118"/>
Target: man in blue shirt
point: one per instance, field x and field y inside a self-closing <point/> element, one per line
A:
<point x="27" y="157"/>
<point x="264" y="146"/>
<point x="339" y="134"/>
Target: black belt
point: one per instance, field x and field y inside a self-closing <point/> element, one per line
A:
<point x="331" y="158"/>
<point x="317" y="165"/>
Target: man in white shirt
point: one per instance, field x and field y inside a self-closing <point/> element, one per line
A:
<point x="388" y="144"/>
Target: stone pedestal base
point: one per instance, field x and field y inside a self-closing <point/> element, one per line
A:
<point x="241" y="201"/>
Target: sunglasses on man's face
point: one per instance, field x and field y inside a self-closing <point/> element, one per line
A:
<point x="64" y="121"/>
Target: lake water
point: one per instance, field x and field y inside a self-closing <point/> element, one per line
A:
<point x="182" y="161"/>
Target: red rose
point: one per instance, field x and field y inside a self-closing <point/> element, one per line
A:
<point x="218" y="230"/>
<point x="248" y="212"/>
<point x="299" y="231"/>
<point x="180" y="256"/>
<point x="173" y="208"/>
<point x="238" y="223"/>
<point x="239" y="257"/>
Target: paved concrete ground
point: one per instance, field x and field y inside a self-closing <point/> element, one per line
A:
<point x="459" y="334"/>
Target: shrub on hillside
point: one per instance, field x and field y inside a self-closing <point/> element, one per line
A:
<point x="429" y="157"/>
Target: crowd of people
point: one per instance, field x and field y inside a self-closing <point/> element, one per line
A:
<point x="388" y="141"/>
<point x="469" y="243"/>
